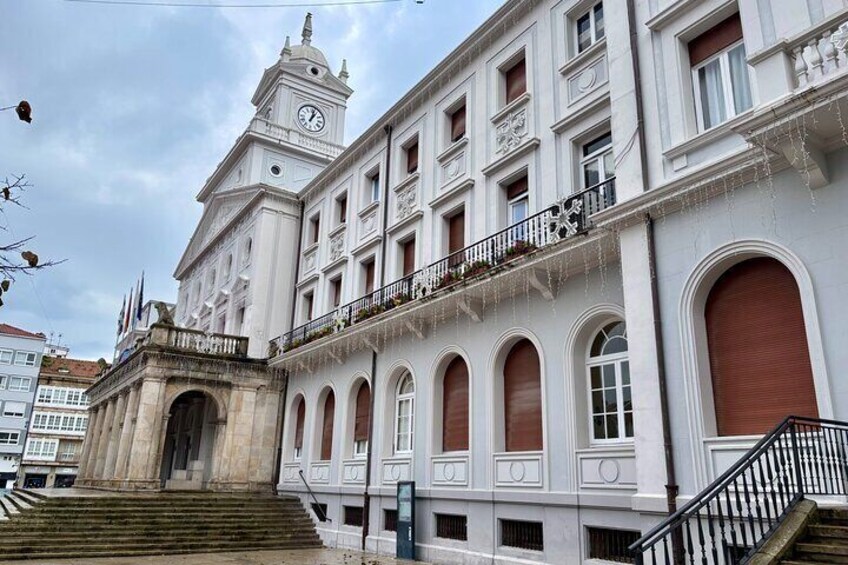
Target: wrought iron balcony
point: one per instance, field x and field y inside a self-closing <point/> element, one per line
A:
<point x="565" y="219"/>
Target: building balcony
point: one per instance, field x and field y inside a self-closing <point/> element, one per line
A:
<point x="496" y="254"/>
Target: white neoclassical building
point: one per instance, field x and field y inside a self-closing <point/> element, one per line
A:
<point x="563" y="283"/>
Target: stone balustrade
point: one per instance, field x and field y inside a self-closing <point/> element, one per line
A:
<point x="196" y="341"/>
<point x="819" y="53"/>
<point x="264" y="127"/>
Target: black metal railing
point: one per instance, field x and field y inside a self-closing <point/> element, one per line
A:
<point x="733" y="517"/>
<point x="321" y="512"/>
<point x="565" y="219"/>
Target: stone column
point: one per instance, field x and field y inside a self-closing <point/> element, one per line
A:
<point x="115" y="436"/>
<point x="644" y="371"/>
<point x="90" y="428"/>
<point x="219" y="468"/>
<point x="236" y="449"/>
<point x="125" y="442"/>
<point x="265" y="434"/>
<point x="145" y="442"/>
<point x="103" y="441"/>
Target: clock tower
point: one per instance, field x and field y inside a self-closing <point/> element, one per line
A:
<point x="301" y="94"/>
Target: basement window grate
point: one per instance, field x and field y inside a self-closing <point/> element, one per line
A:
<point x="390" y="520"/>
<point x="522" y="535"/>
<point x="611" y="545"/>
<point x="353" y="516"/>
<point x="452" y="526"/>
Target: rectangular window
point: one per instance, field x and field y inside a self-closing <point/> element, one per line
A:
<point x="390" y="520"/>
<point x="451" y="526"/>
<point x="612" y="408"/>
<point x="3" y="380"/>
<point x="516" y="80"/>
<point x="611" y="545"/>
<point x="341" y="206"/>
<point x="598" y="163"/>
<point x="68" y="451"/>
<point x="42" y="449"/>
<point x="457" y="124"/>
<point x="360" y="448"/>
<point x="320" y="511"/>
<point x="314" y="228"/>
<point x="590" y="27"/>
<point x="720" y="76"/>
<point x="408" y="257"/>
<point x="412" y="157"/>
<point x="517" y="203"/>
<point x="19" y="384"/>
<point x="9" y="438"/>
<point x="58" y="422"/>
<point x="352" y="516"/>
<point x="6" y="356"/>
<point x="456" y="238"/>
<point x="14" y="409"/>
<point x="308" y="301"/>
<point x="336" y="291"/>
<point x="25" y="358"/>
<point x="374" y="186"/>
<point x="522" y="534"/>
<point x="368" y="275"/>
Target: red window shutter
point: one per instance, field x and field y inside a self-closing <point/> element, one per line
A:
<point x="409" y="257"/>
<point x="516" y="81"/>
<point x="516" y="188"/>
<point x="369" y="277"/>
<point x="522" y="399"/>
<point x="363" y="409"/>
<point x="715" y="39"/>
<point x="458" y="124"/>
<point x="455" y="407"/>
<point x="412" y="158"/>
<point x="759" y="358"/>
<point x="327" y="431"/>
<point x="298" y="429"/>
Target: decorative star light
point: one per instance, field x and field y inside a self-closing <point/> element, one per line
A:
<point x="839" y="38"/>
<point x="563" y="222"/>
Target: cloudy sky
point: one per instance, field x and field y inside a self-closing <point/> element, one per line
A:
<point x="133" y="108"/>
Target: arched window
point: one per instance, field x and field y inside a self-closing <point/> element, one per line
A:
<point x="455" y="406"/>
<point x="327" y="428"/>
<point x="609" y="385"/>
<point x="360" y="425"/>
<point x="404" y="414"/>
<point x="298" y="429"/>
<point x="522" y="390"/>
<point x="759" y="357"/>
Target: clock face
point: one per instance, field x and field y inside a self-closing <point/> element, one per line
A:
<point x="310" y="118"/>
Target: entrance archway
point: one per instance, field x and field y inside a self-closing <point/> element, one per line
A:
<point x="187" y="454"/>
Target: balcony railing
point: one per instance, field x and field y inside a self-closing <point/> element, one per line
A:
<point x="563" y="220"/>
<point x="197" y="341"/>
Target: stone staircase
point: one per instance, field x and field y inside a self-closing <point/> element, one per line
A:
<point x="76" y="527"/>
<point x="825" y="540"/>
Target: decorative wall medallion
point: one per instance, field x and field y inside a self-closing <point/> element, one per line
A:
<point x="567" y="220"/>
<point x="517" y="471"/>
<point x="354" y="473"/>
<point x="511" y="131"/>
<point x="309" y="262"/>
<point x="449" y="471"/>
<point x="394" y="472"/>
<point x="609" y="470"/>
<point x="369" y="223"/>
<point x="337" y="245"/>
<point x="406" y="202"/>
<point x="587" y="79"/>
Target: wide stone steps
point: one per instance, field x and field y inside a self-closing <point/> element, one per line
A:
<point x="825" y="542"/>
<point x="135" y="525"/>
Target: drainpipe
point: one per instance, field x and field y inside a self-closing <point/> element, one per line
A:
<point x="672" y="489"/>
<point x="278" y="441"/>
<point x="366" y="498"/>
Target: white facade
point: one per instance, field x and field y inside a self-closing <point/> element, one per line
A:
<point x="714" y="173"/>
<point x="20" y="361"/>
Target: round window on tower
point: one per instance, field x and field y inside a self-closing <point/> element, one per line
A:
<point x="276" y="170"/>
<point x="314" y="71"/>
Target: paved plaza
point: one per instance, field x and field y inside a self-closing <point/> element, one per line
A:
<point x="276" y="557"/>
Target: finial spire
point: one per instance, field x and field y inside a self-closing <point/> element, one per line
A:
<point x="343" y="74"/>
<point x="285" y="54"/>
<point x="307" y="29"/>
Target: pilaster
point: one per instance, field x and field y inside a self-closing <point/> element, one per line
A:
<point x="115" y="436"/>
<point x="103" y="440"/>
<point x="145" y="439"/>
<point x="125" y="442"/>
<point x="83" y="471"/>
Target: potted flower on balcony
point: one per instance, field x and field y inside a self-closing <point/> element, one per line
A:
<point x="476" y="268"/>
<point x="365" y="313"/>
<point x="519" y="248"/>
<point x="448" y="279"/>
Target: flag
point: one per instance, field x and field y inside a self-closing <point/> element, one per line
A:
<point x="140" y="299"/>
<point x="128" y="316"/>
<point x="121" y="316"/>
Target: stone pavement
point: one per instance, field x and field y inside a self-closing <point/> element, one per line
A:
<point x="322" y="556"/>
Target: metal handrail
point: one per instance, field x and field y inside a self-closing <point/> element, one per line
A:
<point x="554" y="223"/>
<point x="735" y="515"/>
<point x="317" y="508"/>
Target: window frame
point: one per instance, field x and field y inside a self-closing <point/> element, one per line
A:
<point x="593" y="31"/>
<point x="374" y="184"/>
<point x="400" y="399"/>
<point x="21" y="379"/>
<point x="11" y="434"/>
<point x="3" y="380"/>
<point x="11" y="353"/>
<point x="615" y="359"/>
<point x="18" y="415"/>
<point x="597" y="157"/>
<point x="32" y="354"/>
<point x="723" y="58"/>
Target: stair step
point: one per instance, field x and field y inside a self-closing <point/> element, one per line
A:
<point x="125" y="552"/>
<point x="826" y="530"/>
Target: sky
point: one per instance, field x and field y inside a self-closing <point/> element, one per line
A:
<point x="134" y="106"/>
